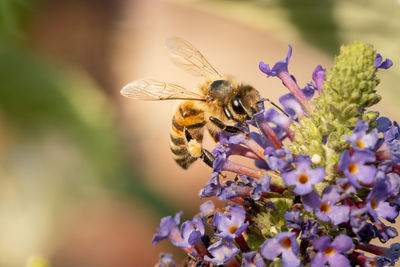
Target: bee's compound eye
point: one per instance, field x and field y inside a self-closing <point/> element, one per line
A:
<point x="237" y="106"/>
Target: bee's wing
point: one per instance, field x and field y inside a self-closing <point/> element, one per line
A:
<point x="189" y="58"/>
<point x="151" y="89"/>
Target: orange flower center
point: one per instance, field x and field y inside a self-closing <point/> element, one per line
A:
<point x="360" y="144"/>
<point x="303" y="178"/>
<point x="233" y="229"/>
<point x="324" y="207"/>
<point x="329" y="251"/>
<point x="352" y="168"/>
<point x="373" y="203"/>
<point x="286" y="242"/>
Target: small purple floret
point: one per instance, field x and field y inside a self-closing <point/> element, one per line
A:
<point x="253" y="259"/>
<point x="379" y="64"/>
<point x="279" y="66"/>
<point x="191" y="233"/>
<point x="303" y="177"/>
<point x="376" y="202"/>
<point x="233" y="224"/>
<point x="319" y="77"/>
<point x="283" y="244"/>
<point x="331" y="252"/>
<point x="260" y="186"/>
<point x="360" y="139"/>
<point x="168" y="228"/>
<point x="222" y="252"/>
<point x="278" y="159"/>
<point x="355" y="167"/>
<point x="326" y="209"/>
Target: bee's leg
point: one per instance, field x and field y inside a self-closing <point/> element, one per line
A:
<point x="207" y="157"/>
<point x="228" y="128"/>
<point x="196" y="150"/>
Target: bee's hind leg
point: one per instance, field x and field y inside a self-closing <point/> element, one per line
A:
<point x="196" y="150"/>
<point x="227" y="128"/>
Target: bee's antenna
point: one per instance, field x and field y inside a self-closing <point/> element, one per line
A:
<point x="272" y="103"/>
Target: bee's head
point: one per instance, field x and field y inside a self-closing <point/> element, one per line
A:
<point x="239" y="102"/>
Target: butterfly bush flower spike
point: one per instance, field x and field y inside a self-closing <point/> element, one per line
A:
<point x="313" y="182"/>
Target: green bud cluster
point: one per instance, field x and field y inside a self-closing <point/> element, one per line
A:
<point x="348" y="90"/>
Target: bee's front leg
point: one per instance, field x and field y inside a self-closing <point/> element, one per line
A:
<point x="196" y="150"/>
<point x="223" y="126"/>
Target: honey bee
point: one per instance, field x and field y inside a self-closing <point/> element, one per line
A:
<point x="220" y="103"/>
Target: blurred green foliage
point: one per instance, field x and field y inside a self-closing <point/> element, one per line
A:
<point x="14" y="15"/>
<point x="38" y="96"/>
<point x="315" y="21"/>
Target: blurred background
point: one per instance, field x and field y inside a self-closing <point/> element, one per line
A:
<point x="85" y="174"/>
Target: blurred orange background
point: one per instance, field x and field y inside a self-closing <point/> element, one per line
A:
<point x="85" y="174"/>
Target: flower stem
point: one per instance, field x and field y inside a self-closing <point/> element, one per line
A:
<point x="241" y="169"/>
<point x="270" y="134"/>
<point x="290" y="83"/>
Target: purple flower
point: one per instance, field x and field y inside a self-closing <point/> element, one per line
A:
<point x="326" y="209"/>
<point x="252" y="259"/>
<point x="383" y="124"/>
<point x="356" y="169"/>
<point x="279" y="119"/>
<point x="260" y="138"/>
<point x="168" y="229"/>
<point x="278" y="159"/>
<point x="364" y="230"/>
<point x="385" y="233"/>
<point x="207" y="207"/>
<point x="309" y="90"/>
<point x="309" y="230"/>
<point x="232" y="225"/>
<point x="382" y="65"/>
<point x="360" y="139"/>
<point x="221" y="155"/>
<point x="233" y="189"/>
<point x="293" y="219"/>
<point x="389" y="255"/>
<point x="260" y="186"/>
<point x="366" y="233"/>
<point x="279" y="66"/>
<point x="226" y="138"/>
<point x="392" y="133"/>
<point x="393" y="252"/>
<point x="393" y="181"/>
<point x="319" y="77"/>
<point x="331" y="252"/>
<point x="280" y="70"/>
<point x="303" y="177"/>
<point x="291" y="105"/>
<point x="222" y="252"/>
<point x="390" y="150"/>
<point x="273" y="135"/>
<point x="212" y="188"/>
<point x="283" y="244"/>
<point x="191" y="233"/>
<point x="344" y="187"/>
<point x="376" y="204"/>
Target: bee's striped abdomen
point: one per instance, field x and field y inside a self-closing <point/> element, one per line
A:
<point x="192" y="118"/>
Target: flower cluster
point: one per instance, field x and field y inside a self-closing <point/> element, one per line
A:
<point x="325" y="183"/>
